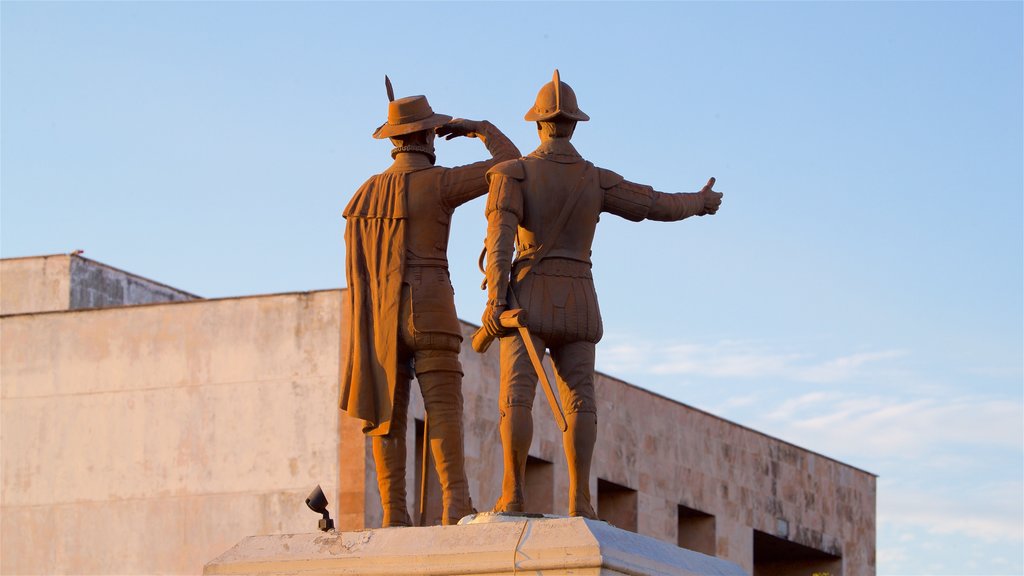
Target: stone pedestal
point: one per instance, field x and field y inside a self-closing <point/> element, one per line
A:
<point x="495" y="546"/>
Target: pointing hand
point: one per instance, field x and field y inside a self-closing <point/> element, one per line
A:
<point x="712" y="199"/>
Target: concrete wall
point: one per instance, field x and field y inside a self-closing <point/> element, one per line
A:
<point x="95" y="285"/>
<point x="149" y="439"/>
<point x="36" y="284"/>
<point x="66" y="282"/>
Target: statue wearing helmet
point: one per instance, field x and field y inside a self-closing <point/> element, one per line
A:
<point x="542" y="213"/>
<point x="396" y="237"/>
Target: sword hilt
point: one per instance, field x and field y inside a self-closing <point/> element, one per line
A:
<point x="511" y="319"/>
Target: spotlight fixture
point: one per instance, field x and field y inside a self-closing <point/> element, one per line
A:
<point x="317" y="502"/>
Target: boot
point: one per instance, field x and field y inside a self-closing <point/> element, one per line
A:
<point x="442" y="398"/>
<point x="578" y="441"/>
<point x="516" y="437"/>
<point x="389" y="457"/>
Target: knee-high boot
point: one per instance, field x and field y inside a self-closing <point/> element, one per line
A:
<point x="516" y="437"/>
<point x="442" y="398"/>
<point x="389" y="457"/>
<point x="578" y="441"/>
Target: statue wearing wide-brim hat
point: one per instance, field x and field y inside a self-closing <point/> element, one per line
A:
<point x="408" y="115"/>
<point x="396" y="241"/>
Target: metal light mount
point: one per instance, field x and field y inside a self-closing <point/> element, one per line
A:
<point x="317" y="502"/>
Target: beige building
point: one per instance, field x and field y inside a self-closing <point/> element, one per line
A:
<point x="146" y="430"/>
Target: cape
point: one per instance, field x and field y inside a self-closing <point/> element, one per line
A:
<point x="375" y="221"/>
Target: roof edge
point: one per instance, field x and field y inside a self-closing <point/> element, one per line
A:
<point x="198" y="300"/>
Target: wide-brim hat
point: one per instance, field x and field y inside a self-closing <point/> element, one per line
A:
<point x="408" y="115"/>
<point x="556" y="99"/>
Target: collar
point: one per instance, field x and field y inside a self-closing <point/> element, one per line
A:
<point x="410" y="162"/>
<point x="557" y="150"/>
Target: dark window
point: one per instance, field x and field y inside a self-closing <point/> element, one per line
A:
<point x="434" y="507"/>
<point x="616" y="505"/>
<point x="696" y="531"/>
<point x="774" y="556"/>
<point x="540" y="486"/>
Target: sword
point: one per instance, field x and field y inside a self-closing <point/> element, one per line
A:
<point x="516" y="318"/>
<point x="423" y="468"/>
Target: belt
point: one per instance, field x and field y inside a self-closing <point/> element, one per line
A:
<point x="427" y="263"/>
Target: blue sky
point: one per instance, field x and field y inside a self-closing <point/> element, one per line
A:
<point x="859" y="294"/>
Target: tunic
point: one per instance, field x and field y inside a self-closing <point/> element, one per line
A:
<point x="396" y="222"/>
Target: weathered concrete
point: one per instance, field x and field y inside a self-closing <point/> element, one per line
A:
<point x="36" y="284"/>
<point x="543" y="547"/>
<point x="148" y="439"/>
<point x="67" y="282"/>
<point x="96" y="285"/>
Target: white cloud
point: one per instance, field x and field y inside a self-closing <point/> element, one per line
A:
<point x="989" y="511"/>
<point x="922" y="419"/>
<point x="844" y="367"/>
<point x="876" y="425"/>
<point x="891" y="555"/>
<point x="734" y="359"/>
<point x="740" y="401"/>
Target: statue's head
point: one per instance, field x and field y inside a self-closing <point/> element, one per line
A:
<point x="408" y="115"/>
<point x="556" y="101"/>
<point x="410" y="125"/>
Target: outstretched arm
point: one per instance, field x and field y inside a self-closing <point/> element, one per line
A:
<point x="465" y="183"/>
<point x="638" y="202"/>
<point x="672" y="207"/>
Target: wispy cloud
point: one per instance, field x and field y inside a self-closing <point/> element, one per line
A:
<point x="878" y="425"/>
<point x="990" y="511"/>
<point x="736" y="359"/>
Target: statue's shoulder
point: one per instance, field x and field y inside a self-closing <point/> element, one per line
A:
<point x="369" y="182"/>
<point x="509" y="169"/>
<point x="608" y="179"/>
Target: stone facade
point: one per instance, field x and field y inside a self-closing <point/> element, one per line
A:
<point x="151" y="438"/>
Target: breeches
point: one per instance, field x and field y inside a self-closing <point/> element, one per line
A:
<point x="423" y="353"/>
<point x="560" y="301"/>
<point x="574" y="374"/>
<point x="434" y="358"/>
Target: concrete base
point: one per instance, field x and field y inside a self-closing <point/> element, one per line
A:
<point x="491" y="546"/>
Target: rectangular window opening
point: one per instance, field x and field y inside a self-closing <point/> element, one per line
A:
<point x="540" y="486"/>
<point x="774" y="556"/>
<point x="432" y="516"/>
<point x="696" y="531"/>
<point x="616" y="504"/>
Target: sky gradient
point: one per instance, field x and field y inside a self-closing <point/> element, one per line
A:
<point x="860" y="293"/>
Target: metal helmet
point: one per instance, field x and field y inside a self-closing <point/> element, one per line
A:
<point x="555" y="100"/>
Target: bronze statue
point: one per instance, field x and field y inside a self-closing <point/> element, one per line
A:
<point x="547" y="205"/>
<point x="402" y="302"/>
